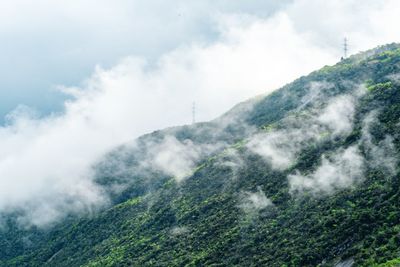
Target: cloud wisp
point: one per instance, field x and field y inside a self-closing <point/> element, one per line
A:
<point x="280" y="146"/>
<point x="382" y="154"/>
<point x="176" y="158"/>
<point x="346" y="168"/>
<point x="253" y="202"/>
<point x="341" y="170"/>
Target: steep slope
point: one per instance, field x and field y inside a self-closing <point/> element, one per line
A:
<point x="306" y="176"/>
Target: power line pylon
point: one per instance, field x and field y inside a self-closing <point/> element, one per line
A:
<point x="194" y="113"/>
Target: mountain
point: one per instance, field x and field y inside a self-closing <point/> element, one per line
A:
<point x="305" y="176"/>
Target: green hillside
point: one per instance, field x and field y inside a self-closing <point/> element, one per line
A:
<point x="305" y="176"/>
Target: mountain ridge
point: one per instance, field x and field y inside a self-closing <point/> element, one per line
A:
<point x="233" y="202"/>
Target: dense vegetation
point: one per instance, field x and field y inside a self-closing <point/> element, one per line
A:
<point x="156" y="221"/>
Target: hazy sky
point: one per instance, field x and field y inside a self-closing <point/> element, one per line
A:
<point x="46" y="43"/>
<point x="128" y="67"/>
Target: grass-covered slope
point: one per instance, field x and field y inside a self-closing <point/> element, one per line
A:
<point x="235" y="208"/>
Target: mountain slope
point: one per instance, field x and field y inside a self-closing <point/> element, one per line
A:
<point x="306" y="176"/>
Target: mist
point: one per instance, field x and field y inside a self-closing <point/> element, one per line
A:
<point x="253" y="202"/>
<point x="46" y="161"/>
<point x="328" y="118"/>
<point x="343" y="169"/>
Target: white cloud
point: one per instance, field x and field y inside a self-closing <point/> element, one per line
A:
<point x="176" y="158"/>
<point x="179" y="230"/>
<point x="252" y="202"/>
<point x="338" y="116"/>
<point x="280" y="147"/>
<point x="346" y="167"/>
<point x="232" y="160"/>
<point x="381" y="155"/>
<point x="69" y="37"/>
<point x="342" y="170"/>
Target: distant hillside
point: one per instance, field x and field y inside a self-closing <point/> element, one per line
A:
<point x="305" y="176"/>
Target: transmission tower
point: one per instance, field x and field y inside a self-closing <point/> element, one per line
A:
<point x="194" y="113"/>
<point x="345" y="47"/>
